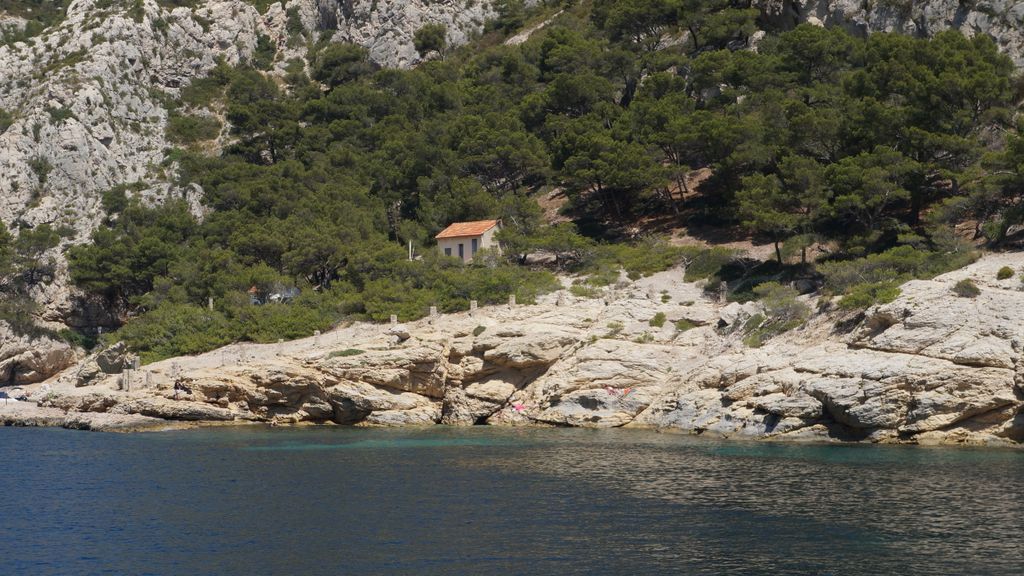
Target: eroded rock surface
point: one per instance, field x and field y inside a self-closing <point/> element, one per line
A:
<point x="928" y="367"/>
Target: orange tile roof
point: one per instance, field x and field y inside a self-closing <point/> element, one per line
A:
<point x="460" y="229"/>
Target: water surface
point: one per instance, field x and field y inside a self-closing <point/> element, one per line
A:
<point x="498" y="501"/>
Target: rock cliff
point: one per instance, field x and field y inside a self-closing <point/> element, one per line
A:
<point x="929" y="367"/>
<point x="89" y="96"/>
<point x="1001" y="20"/>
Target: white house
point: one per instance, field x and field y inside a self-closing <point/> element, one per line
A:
<point x="463" y="239"/>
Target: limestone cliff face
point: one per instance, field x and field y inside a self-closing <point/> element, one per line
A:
<point x="89" y="96"/>
<point x="1000" y="19"/>
<point x="928" y="367"/>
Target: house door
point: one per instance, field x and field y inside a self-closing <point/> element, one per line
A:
<point x="474" y="246"/>
<point x="462" y="252"/>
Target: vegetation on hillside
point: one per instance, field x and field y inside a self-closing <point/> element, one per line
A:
<point x="867" y="150"/>
<point x="38" y="14"/>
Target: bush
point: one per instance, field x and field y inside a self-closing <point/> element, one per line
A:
<point x="781" y="305"/>
<point x="705" y="263"/>
<point x="966" y="288"/>
<point x="684" y="325"/>
<point x="582" y="291"/>
<point x="783" y="312"/>
<point x="190" y="129"/>
<point x="652" y="256"/>
<point x="658" y="321"/>
<point x="479" y="330"/>
<point x="176" y="329"/>
<point x="867" y="294"/>
<point x="896" y="266"/>
<point x="614" y="328"/>
<point x="1004" y="273"/>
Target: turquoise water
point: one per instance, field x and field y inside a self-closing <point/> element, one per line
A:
<point x="498" y="501"/>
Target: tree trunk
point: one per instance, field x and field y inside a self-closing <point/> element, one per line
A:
<point x="778" y="251"/>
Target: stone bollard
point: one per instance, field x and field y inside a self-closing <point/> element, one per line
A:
<point x="723" y="292"/>
<point x="316" y="337"/>
<point x="146" y="382"/>
<point x="433" y="311"/>
<point x="561" y="299"/>
<point x="511" y="300"/>
<point x="394" y="319"/>
<point x="472" y="306"/>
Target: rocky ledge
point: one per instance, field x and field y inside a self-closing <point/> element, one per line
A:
<point x="929" y="367"/>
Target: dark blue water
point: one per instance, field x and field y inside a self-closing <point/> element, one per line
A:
<point x="497" y="501"/>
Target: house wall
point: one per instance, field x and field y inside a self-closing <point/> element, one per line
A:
<point x="486" y="241"/>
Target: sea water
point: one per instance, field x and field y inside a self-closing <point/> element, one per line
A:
<point x="498" y="501"/>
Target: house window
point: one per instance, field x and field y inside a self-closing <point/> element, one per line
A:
<point x="462" y="251"/>
<point x="447" y="251"/>
<point x="474" y="247"/>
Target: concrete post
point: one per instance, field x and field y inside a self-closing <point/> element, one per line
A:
<point x="723" y="292"/>
<point x="433" y="311"/>
<point x="511" y="300"/>
<point x="394" y="319"/>
<point x="472" y="306"/>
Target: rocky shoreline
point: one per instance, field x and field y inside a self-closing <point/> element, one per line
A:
<point x="930" y="367"/>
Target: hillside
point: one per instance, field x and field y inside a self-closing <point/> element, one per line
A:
<point x="161" y="156"/>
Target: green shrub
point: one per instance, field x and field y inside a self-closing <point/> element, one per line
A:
<point x="582" y="291"/>
<point x="705" y="263"/>
<point x="867" y="294"/>
<point x="176" y="329"/>
<point x="966" y="288"/>
<point x="644" y="338"/>
<point x="1004" y="273"/>
<point x="665" y="298"/>
<point x="614" y="328"/>
<point x="344" y="353"/>
<point x="266" y="51"/>
<point x="5" y="120"/>
<point x="752" y="329"/>
<point x="75" y="338"/>
<point x="896" y="265"/>
<point x="651" y="256"/>
<point x="658" y="320"/>
<point x="190" y="129"/>
<point x="781" y="305"/>
<point x="783" y="312"/>
<point x="479" y="330"/>
<point x="58" y="115"/>
<point x="684" y="325"/>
